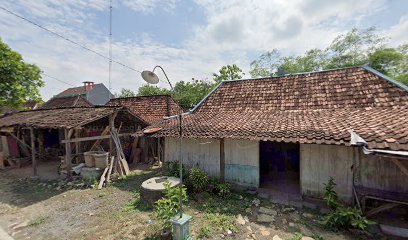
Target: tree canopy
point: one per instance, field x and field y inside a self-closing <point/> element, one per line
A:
<point x="125" y="93"/>
<point x="356" y="48"/>
<point x="188" y="94"/>
<point x="19" y="81"/>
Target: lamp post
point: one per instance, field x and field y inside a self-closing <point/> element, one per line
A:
<point x="152" y="78"/>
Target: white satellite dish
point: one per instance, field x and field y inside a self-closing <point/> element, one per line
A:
<point x="150" y="77"/>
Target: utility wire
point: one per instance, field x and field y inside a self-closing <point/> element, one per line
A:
<point x="68" y="39"/>
<point x="42" y="73"/>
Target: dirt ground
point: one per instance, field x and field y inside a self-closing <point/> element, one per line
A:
<point x="48" y="208"/>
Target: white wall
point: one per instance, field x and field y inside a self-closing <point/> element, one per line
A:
<point x="320" y="162"/>
<point x="204" y="153"/>
<point x="242" y="162"/>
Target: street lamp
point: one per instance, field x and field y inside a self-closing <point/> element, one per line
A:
<point x="152" y="78"/>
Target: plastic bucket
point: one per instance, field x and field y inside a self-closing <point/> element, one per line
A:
<point x="101" y="159"/>
<point x="89" y="159"/>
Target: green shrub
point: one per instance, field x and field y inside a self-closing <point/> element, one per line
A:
<point x="203" y="232"/>
<point x="198" y="180"/>
<point x="174" y="170"/>
<point x="223" y="189"/>
<point x="341" y="216"/>
<point x="168" y="206"/>
<point x="330" y="195"/>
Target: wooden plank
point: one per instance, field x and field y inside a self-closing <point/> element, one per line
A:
<point x="103" y="177"/>
<point x="110" y="169"/>
<point x="381" y="208"/>
<point x="68" y="157"/>
<point x="20" y="141"/>
<point x="98" y="142"/>
<point x="125" y="166"/>
<point x="92" y="138"/>
<point x="33" y="158"/>
<point x="400" y="166"/>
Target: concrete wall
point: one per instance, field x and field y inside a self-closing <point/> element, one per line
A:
<point x="242" y="162"/>
<point x="380" y="173"/>
<point x="320" y="162"/>
<point x="204" y="153"/>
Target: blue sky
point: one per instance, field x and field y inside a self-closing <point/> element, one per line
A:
<point x="190" y="39"/>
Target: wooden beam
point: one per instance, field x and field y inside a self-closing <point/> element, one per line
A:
<point x="222" y="160"/>
<point x="98" y="142"/>
<point x="381" y="208"/>
<point x="33" y="158"/>
<point x="68" y="158"/>
<point x="20" y="141"/>
<point x="400" y="166"/>
<point x="84" y="139"/>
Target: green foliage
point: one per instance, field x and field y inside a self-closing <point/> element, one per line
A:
<point x="330" y="195"/>
<point x="341" y="216"/>
<point x="125" y="93"/>
<point x="39" y="220"/>
<point x="198" y="180"/>
<point x="220" y="222"/>
<point x="345" y="217"/>
<point x="203" y="232"/>
<point x="19" y="81"/>
<point x="223" y="189"/>
<point x="151" y="90"/>
<point x="297" y="236"/>
<point x="188" y="94"/>
<point x="168" y="206"/>
<point x="174" y="170"/>
<point x="228" y="72"/>
<point x="355" y="48"/>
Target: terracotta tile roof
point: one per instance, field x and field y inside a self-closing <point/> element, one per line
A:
<point x="63" y="117"/>
<point x="61" y="102"/>
<point x="74" y="91"/>
<point x="150" y="108"/>
<point x="318" y="107"/>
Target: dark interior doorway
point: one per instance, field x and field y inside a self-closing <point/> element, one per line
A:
<point x="280" y="166"/>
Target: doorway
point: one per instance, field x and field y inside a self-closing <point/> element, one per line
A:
<point x="280" y="166"/>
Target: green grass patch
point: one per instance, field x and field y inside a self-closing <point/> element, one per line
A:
<point x="38" y="221"/>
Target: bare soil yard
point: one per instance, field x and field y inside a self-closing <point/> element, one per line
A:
<point x="51" y="209"/>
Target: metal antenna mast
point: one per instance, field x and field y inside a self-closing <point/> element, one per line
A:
<point x="110" y="44"/>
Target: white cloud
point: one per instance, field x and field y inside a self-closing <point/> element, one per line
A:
<point x="234" y="30"/>
<point x="148" y="6"/>
<point x="398" y="32"/>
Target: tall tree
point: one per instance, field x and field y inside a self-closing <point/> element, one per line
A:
<point x="228" y="72"/>
<point x="19" y="81"/>
<point x="355" y="48"/>
<point x="151" y="90"/>
<point x="125" y="93"/>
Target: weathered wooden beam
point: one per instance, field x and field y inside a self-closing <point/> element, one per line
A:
<point x="104" y="132"/>
<point x="92" y="138"/>
<point x="33" y="158"/>
<point x="400" y="166"/>
<point x="222" y="160"/>
<point x="20" y="141"/>
<point x="68" y="157"/>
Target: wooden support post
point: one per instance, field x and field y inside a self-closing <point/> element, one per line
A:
<point x="222" y="160"/>
<point x="144" y="147"/>
<point x="33" y="158"/>
<point x="68" y="158"/>
<point x="77" y="144"/>
<point x="111" y="127"/>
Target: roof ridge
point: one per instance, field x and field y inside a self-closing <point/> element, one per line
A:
<point x="385" y="77"/>
<point x="294" y="74"/>
<point x="147" y="96"/>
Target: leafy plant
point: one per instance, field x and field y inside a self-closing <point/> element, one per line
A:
<point x="198" y="179"/>
<point x="174" y="170"/>
<point x="330" y="195"/>
<point x="223" y="189"/>
<point x="341" y="216"/>
<point x="297" y="236"/>
<point x="167" y="207"/>
<point x="39" y="220"/>
<point x="203" y="232"/>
